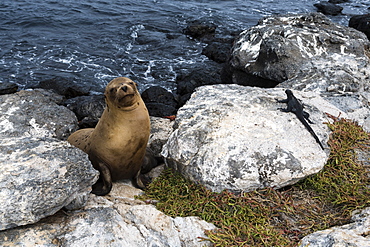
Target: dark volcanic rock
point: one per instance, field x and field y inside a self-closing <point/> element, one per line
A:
<point x="63" y="86"/>
<point x="8" y="88"/>
<point x="231" y="75"/>
<point x="217" y="51"/>
<point x="188" y="81"/>
<point x="328" y="8"/>
<point x="361" y="23"/>
<point x="160" y="109"/>
<point x="198" y="30"/>
<point x="338" y="1"/>
<point x="88" y="109"/>
<point x="158" y="94"/>
<point x="159" y="101"/>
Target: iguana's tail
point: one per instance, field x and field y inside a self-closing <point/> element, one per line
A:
<point x="308" y="127"/>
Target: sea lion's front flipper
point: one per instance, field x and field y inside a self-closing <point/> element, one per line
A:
<point x="104" y="184"/>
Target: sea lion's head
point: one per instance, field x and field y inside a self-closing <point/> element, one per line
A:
<point x="121" y="92"/>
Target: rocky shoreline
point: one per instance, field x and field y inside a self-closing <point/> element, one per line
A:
<point x="325" y="64"/>
<point x="46" y="183"/>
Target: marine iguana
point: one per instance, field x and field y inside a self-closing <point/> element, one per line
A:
<point x="296" y="107"/>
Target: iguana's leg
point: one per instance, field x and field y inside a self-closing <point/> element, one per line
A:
<point x="282" y="100"/>
<point x="307" y="116"/>
<point x="283" y="109"/>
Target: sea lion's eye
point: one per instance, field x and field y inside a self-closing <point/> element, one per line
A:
<point x="111" y="90"/>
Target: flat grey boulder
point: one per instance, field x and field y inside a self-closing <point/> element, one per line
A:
<point x="355" y="105"/>
<point x="355" y="234"/>
<point x="35" y="114"/>
<point x="234" y="137"/>
<point x="39" y="177"/>
<point x="40" y="174"/>
<point x="114" y="220"/>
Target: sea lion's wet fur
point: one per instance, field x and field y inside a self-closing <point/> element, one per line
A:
<point x="117" y="145"/>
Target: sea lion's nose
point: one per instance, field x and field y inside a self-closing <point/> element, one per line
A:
<point x="124" y="88"/>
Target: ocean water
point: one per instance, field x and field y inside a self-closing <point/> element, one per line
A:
<point x="94" y="41"/>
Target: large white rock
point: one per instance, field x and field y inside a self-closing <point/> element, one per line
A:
<point x="355" y="234"/>
<point x="304" y="51"/>
<point x="234" y="137"/>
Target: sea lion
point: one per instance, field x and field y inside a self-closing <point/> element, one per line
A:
<point x="117" y="145"/>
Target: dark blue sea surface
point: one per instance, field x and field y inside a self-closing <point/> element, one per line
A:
<point x="93" y="41"/>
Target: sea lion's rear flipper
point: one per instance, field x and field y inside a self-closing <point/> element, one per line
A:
<point x="141" y="181"/>
<point x="80" y="139"/>
<point x="149" y="161"/>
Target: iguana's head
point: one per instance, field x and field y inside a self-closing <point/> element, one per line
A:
<point x="288" y="92"/>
